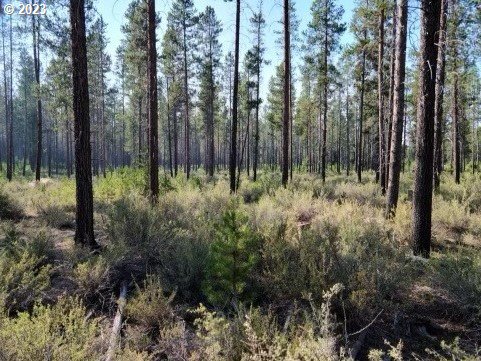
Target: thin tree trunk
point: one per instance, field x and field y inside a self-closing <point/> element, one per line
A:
<point x="36" y="60"/>
<point x="233" y="147"/>
<point x="11" y="150"/>
<point x="7" y="105"/>
<point x="455" y="130"/>
<point x="439" y="96"/>
<point x="139" y="127"/>
<point x="391" y="98"/>
<point x="176" y="142"/>
<point x="361" y="115"/>
<point x="25" y="135"/>
<point x="186" y="104"/>
<point x="348" y="145"/>
<point x="380" y="79"/>
<point x="153" y="115"/>
<point x="398" y="108"/>
<point x="324" y="99"/>
<point x="423" y="175"/>
<point x="286" y="111"/>
<point x="103" y="163"/>
<point x="169" y="131"/>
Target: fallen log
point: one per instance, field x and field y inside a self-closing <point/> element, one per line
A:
<point x="117" y="323"/>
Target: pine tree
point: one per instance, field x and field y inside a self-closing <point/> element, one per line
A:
<point x="209" y="62"/>
<point x="153" y="106"/>
<point x="287" y="102"/>
<point x="36" y="60"/>
<point x="257" y="55"/>
<point x="183" y="18"/>
<point x="84" y="232"/>
<point x="398" y="108"/>
<point x="324" y="32"/>
<point x="233" y="145"/>
<point x="439" y="96"/>
<point x="135" y="31"/>
<point x="423" y="175"/>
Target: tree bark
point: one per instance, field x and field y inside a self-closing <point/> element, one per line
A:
<point x="439" y="96"/>
<point x="455" y="131"/>
<point x="11" y="154"/>
<point x="153" y="115"/>
<point x="423" y="175"/>
<point x="361" y="115"/>
<point x="233" y="146"/>
<point x="36" y="60"/>
<point x="186" y="104"/>
<point x="380" y="76"/>
<point x="7" y="105"/>
<point x="348" y="145"/>
<point x="324" y="99"/>
<point x="395" y="158"/>
<point x="84" y="232"/>
<point x="286" y="111"/>
<point x="391" y="99"/>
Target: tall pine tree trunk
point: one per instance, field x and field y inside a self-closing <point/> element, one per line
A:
<point x="169" y="128"/>
<point x="233" y="146"/>
<point x="186" y="105"/>
<point x="395" y="159"/>
<point x="324" y="99"/>
<point x="153" y="115"/>
<point x="380" y="79"/>
<point x="7" y="104"/>
<point x="286" y="111"/>
<point x="84" y="232"/>
<point x="10" y="130"/>
<point x="36" y="60"/>
<point x="387" y="152"/>
<point x="455" y="131"/>
<point x="359" y="159"/>
<point x="439" y="96"/>
<point x="423" y="175"/>
<point x="348" y="129"/>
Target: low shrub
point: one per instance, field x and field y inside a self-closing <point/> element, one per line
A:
<point x="9" y="208"/>
<point x="24" y="270"/>
<point x="59" y="332"/>
<point x="251" y="192"/>
<point x="93" y="280"/>
<point x="149" y="308"/>
<point x="459" y="272"/>
<point x="145" y="239"/>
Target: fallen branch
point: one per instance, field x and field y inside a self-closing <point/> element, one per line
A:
<point x="362" y="336"/>
<point x="117" y="323"/>
<point x="369" y="325"/>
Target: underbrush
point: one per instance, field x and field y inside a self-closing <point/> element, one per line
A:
<point x="25" y="269"/>
<point x="279" y="274"/>
<point x="59" y="332"/>
<point x="9" y="208"/>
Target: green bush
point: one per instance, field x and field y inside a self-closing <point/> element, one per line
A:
<point x="146" y="239"/>
<point x="459" y="273"/>
<point x="93" y="279"/>
<point x="9" y="208"/>
<point x="150" y="308"/>
<point x="24" y="271"/>
<point x="251" y="192"/>
<point x="252" y="335"/>
<point x="61" y="332"/>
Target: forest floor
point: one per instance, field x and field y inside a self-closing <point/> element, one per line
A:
<point x="310" y="272"/>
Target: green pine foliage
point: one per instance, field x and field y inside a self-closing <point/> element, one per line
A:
<point x="232" y="258"/>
